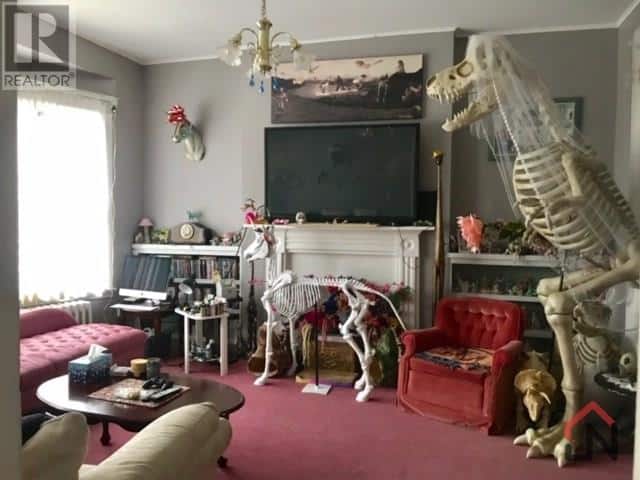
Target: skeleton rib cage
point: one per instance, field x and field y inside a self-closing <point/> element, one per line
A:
<point x="540" y="179"/>
<point x="293" y="295"/>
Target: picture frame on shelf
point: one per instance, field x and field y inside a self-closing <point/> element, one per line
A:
<point x="571" y="108"/>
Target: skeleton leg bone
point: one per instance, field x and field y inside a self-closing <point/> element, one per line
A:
<point x="367" y="358"/>
<point x="558" y="308"/>
<point x="347" y="335"/>
<point x="262" y="379"/>
<point x="292" y="341"/>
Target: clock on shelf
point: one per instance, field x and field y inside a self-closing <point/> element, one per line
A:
<point x="190" y="233"/>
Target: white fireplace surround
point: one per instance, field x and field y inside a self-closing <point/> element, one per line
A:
<point x="378" y="254"/>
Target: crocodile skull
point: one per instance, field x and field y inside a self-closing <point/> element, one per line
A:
<point x="452" y="83"/>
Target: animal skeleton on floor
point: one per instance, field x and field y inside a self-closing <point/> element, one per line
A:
<point x="564" y="193"/>
<point x="292" y="296"/>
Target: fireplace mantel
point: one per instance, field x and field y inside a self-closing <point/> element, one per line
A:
<point x="379" y="254"/>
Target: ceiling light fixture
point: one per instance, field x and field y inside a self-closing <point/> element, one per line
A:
<point x="264" y="52"/>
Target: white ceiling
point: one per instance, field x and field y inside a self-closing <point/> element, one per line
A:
<point x="156" y="31"/>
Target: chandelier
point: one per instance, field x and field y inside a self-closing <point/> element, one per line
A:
<point x="263" y="50"/>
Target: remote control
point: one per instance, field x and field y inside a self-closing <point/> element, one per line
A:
<point x="162" y="394"/>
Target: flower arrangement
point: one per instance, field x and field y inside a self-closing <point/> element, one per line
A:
<point x="379" y="316"/>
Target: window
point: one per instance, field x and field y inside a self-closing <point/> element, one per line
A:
<point x="65" y="187"/>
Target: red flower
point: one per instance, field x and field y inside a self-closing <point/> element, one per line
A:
<point x="176" y="114"/>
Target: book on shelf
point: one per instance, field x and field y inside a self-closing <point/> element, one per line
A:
<point x="205" y="268"/>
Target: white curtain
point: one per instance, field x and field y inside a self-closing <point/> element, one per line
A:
<point x="65" y="194"/>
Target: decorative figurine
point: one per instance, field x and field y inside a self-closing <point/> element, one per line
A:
<point x="146" y="224"/>
<point x="186" y="133"/>
<point x="160" y="235"/>
<point x="471" y="231"/>
<point x="253" y="213"/>
<point x="301" y="218"/>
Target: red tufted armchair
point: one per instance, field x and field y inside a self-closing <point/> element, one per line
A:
<point x="477" y="396"/>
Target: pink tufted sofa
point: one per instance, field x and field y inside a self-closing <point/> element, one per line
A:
<point x="50" y="337"/>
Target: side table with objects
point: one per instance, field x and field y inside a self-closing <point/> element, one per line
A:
<point x="198" y="351"/>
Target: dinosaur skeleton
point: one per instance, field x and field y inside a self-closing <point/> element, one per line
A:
<point x="292" y="296"/>
<point x="558" y="185"/>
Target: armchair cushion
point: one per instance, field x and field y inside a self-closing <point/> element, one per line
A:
<point x="431" y="379"/>
<point x="175" y="446"/>
<point x="56" y="451"/>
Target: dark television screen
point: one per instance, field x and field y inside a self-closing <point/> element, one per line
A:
<point x="358" y="173"/>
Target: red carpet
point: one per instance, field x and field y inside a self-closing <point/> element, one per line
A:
<point x="281" y="434"/>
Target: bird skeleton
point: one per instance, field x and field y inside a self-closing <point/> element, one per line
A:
<point x="560" y="188"/>
<point x="291" y="296"/>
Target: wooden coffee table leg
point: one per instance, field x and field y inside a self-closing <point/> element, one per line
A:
<point x="222" y="460"/>
<point x="105" y="439"/>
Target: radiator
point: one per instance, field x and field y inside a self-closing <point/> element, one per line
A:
<point x="78" y="309"/>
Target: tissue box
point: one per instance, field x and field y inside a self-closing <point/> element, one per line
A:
<point x="89" y="370"/>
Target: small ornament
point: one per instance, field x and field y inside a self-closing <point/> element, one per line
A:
<point x="252" y="80"/>
<point x="301" y="218"/>
<point x="261" y="88"/>
<point x="471" y="230"/>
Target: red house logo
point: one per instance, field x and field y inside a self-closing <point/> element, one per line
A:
<point x="591" y="433"/>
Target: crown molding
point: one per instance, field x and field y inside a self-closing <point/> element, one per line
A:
<point x="345" y="38"/>
<point x="628" y="11"/>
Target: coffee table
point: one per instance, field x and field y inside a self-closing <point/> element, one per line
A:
<point x="61" y="396"/>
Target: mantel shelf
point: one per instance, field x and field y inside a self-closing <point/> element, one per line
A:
<point x="348" y="227"/>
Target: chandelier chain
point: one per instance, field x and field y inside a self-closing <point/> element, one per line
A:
<point x="264" y="9"/>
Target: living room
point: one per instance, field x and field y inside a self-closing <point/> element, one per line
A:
<point x="341" y="252"/>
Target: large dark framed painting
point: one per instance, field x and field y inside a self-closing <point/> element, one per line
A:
<point x="570" y="108"/>
<point x="359" y="89"/>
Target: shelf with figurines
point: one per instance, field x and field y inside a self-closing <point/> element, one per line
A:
<point x="498" y="260"/>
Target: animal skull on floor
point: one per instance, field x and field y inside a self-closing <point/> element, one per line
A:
<point x="564" y="193"/>
<point x="291" y="296"/>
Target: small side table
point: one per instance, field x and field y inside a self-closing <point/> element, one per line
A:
<point x="224" y="337"/>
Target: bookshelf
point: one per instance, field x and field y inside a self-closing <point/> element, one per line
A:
<point x="202" y="261"/>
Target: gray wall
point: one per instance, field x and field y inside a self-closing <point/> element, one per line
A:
<point x="9" y="366"/>
<point x="574" y="64"/>
<point x="623" y="126"/>
<point x="232" y="117"/>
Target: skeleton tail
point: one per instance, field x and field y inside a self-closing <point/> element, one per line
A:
<point x="364" y="288"/>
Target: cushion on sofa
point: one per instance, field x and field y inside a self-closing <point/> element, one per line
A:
<point x="57" y="450"/>
<point x="42" y="320"/>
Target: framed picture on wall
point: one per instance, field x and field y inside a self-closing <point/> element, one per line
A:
<point x="570" y="107"/>
<point x="356" y="89"/>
